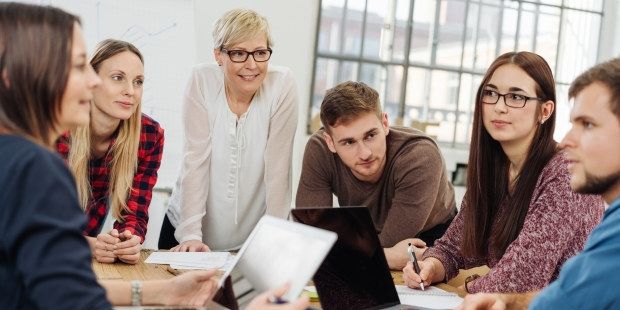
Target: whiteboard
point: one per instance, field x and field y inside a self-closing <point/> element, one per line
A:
<point x="164" y="31"/>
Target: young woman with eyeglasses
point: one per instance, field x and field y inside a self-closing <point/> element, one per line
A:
<point x="240" y="118"/>
<point x="519" y="216"/>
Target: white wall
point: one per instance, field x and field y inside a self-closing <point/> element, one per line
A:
<point x="609" y="46"/>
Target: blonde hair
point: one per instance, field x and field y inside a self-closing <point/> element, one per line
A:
<point x="124" y="150"/>
<point x="238" y="25"/>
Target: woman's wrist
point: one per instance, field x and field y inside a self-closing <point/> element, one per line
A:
<point x="136" y="293"/>
<point x="153" y="292"/>
<point x="438" y="271"/>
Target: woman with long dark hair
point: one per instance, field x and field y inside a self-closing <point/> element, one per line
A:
<point x="519" y="215"/>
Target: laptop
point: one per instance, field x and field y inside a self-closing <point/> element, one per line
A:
<point x="355" y="273"/>
<point x="279" y="251"/>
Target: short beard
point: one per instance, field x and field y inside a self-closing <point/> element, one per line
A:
<point x="598" y="185"/>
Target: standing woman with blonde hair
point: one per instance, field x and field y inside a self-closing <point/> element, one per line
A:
<point x="115" y="159"/>
<point x="240" y="117"/>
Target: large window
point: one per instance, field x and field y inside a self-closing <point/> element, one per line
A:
<point x="427" y="57"/>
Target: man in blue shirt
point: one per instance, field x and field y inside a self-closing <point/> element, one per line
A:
<point x="590" y="279"/>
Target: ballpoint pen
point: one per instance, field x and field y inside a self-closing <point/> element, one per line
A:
<point x="278" y="300"/>
<point x="414" y="261"/>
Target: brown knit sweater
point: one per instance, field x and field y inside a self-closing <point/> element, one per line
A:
<point x="555" y="228"/>
<point x="412" y="196"/>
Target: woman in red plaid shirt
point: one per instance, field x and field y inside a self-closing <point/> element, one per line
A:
<point x="115" y="159"/>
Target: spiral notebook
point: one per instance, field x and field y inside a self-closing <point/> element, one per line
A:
<point x="431" y="298"/>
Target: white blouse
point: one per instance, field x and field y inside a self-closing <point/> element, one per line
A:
<point x="234" y="169"/>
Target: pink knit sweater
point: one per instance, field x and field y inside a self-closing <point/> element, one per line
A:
<point x="555" y="228"/>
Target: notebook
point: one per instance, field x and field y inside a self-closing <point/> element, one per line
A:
<point x="432" y="297"/>
<point x="355" y="273"/>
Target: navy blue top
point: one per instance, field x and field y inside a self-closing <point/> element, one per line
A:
<point x="45" y="261"/>
<point x="589" y="280"/>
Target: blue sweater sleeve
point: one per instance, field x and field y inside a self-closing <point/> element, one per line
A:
<point x="47" y="257"/>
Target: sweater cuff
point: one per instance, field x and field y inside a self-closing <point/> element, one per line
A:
<point x="121" y="228"/>
<point x="190" y="237"/>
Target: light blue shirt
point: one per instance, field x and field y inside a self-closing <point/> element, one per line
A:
<point x="591" y="279"/>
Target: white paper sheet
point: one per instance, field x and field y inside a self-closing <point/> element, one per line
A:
<point x="431" y="298"/>
<point x="225" y="267"/>
<point x="190" y="260"/>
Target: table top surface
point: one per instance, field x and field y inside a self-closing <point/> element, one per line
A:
<point x="139" y="271"/>
<point x="144" y="271"/>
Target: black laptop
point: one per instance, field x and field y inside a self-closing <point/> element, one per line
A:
<point x="355" y="273"/>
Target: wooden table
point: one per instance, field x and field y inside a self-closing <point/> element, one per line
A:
<point x="143" y="271"/>
<point x="139" y="271"/>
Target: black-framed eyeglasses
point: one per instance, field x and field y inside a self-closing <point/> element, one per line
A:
<point x="241" y="55"/>
<point x="510" y="99"/>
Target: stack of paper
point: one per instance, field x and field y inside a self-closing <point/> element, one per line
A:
<point x="431" y="298"/>
<point x="192" y="260"/>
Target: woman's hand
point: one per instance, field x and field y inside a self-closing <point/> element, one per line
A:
<point x="483" y="301"/>
<point x="194" y="288"/>
<point x="191" y="246"/>
<point x="128" y="250"/>
<point x="262" y="301"/>
<point x="427" y="274"/>
<point x="103" y="247"/>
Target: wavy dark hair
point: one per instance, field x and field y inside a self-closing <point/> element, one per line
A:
<point x="488" y="168"/>
<point x="35" y="58"/>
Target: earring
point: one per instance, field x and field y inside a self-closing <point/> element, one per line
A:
<point x="542" y="121"/>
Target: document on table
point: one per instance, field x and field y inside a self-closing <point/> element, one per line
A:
<point x="431" y="298"/>
<point x="228" y="265"/>
<point x="191" y="260"/>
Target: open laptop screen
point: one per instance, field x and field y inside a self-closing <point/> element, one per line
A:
<point x="279" y="251"/>
<point x="355" y="273"/>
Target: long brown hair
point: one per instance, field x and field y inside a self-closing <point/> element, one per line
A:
<point x="124" y="151"/>
<point x="487" y="171"/>
<point x="35" y="59"/>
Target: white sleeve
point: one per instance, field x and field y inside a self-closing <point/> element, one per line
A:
<point x="194" y="178"/>
<point x="279" y="149"/>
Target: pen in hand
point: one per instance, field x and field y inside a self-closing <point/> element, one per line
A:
<point x="276" y="300"/>
<point x="414" y="261"/>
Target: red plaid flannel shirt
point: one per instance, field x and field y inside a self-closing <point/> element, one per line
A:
<point x="149" y="158"/>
